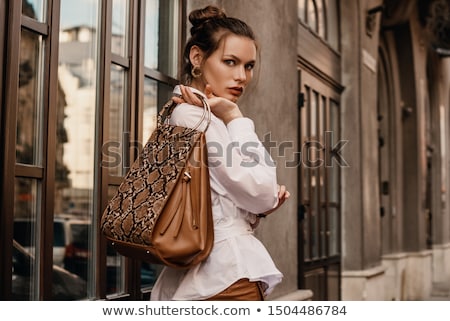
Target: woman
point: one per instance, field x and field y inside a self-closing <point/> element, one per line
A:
<point x="219" y="61"/>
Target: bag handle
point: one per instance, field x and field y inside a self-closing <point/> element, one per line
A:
<point x="168" y="108"/>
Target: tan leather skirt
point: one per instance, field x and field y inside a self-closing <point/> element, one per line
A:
<point x="242" y="290"/>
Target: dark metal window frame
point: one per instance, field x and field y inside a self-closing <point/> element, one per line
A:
<point x="13" y="22"/>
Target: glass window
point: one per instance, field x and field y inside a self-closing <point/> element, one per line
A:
<point x="319" y="120"/>
<point x="156" y="94"/>
<point x="115" y="272"/>
<point x="151" y="33"/>
<point x="332" y="166"/>
<point x="26" y="214"/>
<point x="117" y="114"/>
<point x="76" y="145"/>
<point x="334" y="224"/>
<point x="301" y="10"/>
<point x="305" y="130"/>
<point x="162" y="36"/>
<point x="332" y="23"/>
<point x="150" y="108"/>
<point x="119" y="40"/>
<point x="29" y="114"/>
<point x="34" y="9"/>
<point x="312" y="15"/>
<point x="322" y="17"/>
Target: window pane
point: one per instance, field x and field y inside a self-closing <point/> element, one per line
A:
<point x="333" y="167"/>
<point x="332" y="22"/>
<point x="162" y="36"/>
<point x="120" y="14"/>
<point x="307" y="254"/>
<point x="29" y="115"/>
<point x="315" y="212"/>
<point x="115" y="271"/>
<point x="320" y="19"/>
<point x="150" y="108"/>
<point x="76" y="147"/>
<point x="24" y="274"/>
<point x="301" y="9"/>
<point x="312" y="15"/>
<point x="323" y="232"/>
<point x="314" y="111"/>
<point x="305" y="129"/>
<point x="116" y="154"/>
<point x="151" y="33"/>
<point x="156" y="94"/>
<point x="333" y="216"/>
<point x="34" y="9"/>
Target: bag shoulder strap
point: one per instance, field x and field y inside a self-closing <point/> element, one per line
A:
<point x="169" y="106"/>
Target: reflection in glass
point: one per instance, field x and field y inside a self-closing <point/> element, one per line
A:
<point x="314" y="111"/>
<point x="151" y="34"/>
<point x="305" y="124"/>
<point x="34" y="9"/>
<point x="75" y="143"/>
<point x="333" y="214"/>
<point x="306" y="238"/>
<point x="321" y="19"/>
<point x="332" y="23"/>
<point x="301" y="10"/>
<point x="116" y="157"/>
<point x="115" y="272"/>
<point x="315" y="212"/>
<point x="156" y="94"/>
<point x="312" y="15"/>
<point x="333" y="170"/>
<point x="150" y="108"/>
<point x="162" y="36"/>
<point x="119" y="38"/>
<point x="29" y="115"/>
<point x="24" y="274"/>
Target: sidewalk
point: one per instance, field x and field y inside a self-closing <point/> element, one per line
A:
<point x="440" y="292"/>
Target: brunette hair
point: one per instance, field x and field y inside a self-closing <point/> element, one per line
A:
<point x="210" y="25"/>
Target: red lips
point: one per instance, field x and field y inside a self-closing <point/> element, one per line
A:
<point x="236" y="91"/>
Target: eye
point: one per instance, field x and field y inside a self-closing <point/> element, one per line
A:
<point x="250" y="66"/>
<point x="229" y="62"/>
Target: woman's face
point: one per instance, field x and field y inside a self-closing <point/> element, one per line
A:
<point x="230" y="68"/>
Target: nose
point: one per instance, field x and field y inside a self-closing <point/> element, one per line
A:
<point x="241" y="74"/>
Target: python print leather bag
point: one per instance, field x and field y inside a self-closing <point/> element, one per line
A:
<point x="162" y="211"/>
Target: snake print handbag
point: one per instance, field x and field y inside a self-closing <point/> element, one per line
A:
<point x="162" y="211"/>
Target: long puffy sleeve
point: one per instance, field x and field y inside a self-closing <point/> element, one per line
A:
<point x="240" y="167"/>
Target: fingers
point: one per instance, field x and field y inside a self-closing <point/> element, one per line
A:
<point x="178" y="100"/>
<point x="283" y="193"/>
<point x="189" y="97"/>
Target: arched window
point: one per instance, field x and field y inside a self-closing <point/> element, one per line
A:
<point x="321" y="17"/>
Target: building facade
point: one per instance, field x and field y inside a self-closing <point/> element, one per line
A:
<point x="351" y="99"/>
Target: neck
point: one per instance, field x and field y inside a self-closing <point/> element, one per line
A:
<point x="198" y="84"/>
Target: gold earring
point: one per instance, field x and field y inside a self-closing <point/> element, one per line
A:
<point x="196" y="72"/>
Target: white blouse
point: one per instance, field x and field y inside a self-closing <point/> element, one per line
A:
<point x="243" y="181"/>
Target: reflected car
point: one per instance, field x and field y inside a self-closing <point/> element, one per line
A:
<point x="24" y="228"/>
<point x="65" y="285"/>
<point x="78" y="253"/>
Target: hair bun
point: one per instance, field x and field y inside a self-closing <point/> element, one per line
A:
<point x="199" y="17"/>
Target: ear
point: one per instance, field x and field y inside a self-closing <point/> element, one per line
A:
<point x="196" y="56"/>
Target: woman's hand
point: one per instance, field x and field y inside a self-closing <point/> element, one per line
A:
<point x="283" y="195"/>
<point x="223" y="108"/>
